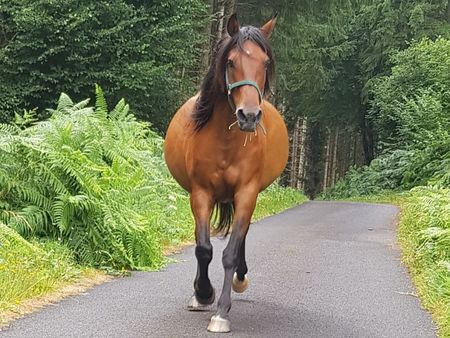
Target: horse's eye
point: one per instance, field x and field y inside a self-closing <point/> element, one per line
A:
<point x="230" y="63"/>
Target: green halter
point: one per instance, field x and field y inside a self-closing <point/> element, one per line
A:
<point x="231" y="86"/>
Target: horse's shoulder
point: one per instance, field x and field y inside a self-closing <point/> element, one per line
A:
<point x="188" y="107"/>
<point x="271" y="112"/>
<point x="269" y="107"/>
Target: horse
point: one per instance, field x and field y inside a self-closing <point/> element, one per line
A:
<point x="224" y="146"/>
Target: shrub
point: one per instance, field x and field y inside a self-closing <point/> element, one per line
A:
<point x="92" y="179"/>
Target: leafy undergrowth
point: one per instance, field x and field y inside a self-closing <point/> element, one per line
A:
<point x="31" y="269"/>
<point x="95" y="180"/>
<point x="424" y="236"/>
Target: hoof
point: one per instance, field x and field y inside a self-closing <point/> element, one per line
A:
<point x="240" y="286"/>
<point x="219" y="324"/>
<point x="195" y="305"/>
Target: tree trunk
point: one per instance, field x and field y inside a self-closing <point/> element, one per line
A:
<point x="327" y="162"/>
<point x="293" y="166"/>
<point x="448" y="11"/>
<point x="367" y="137"/>
<point x="221" y="11"/>
<point x="314" y="159"/>
<point x="302" y="157"/>
<point x="334" y="163"/>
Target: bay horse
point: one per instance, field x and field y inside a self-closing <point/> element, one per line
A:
<point x="224" y="146"/>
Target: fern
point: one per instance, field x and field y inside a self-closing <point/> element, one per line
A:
<point x="92" y="179"/>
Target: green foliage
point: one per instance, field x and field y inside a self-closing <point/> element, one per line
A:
<point x="384" y="173"/>
<point x="331" y="53"/>
<point x="31" y="269"/>
<point x="411" y="110"/>
<point x="92" y="179"/>
<point x="410" y="106"/>
<point x="149" y="52"/>
<point x="425" y="234"/>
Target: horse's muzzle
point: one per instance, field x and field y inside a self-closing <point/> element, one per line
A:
<point x="248" y="121"/>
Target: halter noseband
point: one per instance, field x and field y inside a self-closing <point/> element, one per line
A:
<point x="231" y="86"/>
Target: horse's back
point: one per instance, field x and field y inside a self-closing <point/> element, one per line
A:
<point x="175" y="143"/>
<point x="277" y="144"/>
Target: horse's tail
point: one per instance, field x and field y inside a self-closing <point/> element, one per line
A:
<point x="223" y="218"/>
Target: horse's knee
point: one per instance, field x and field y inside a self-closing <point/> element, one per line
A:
<point x="204" y="252"/>
<point x="229" y="259"/>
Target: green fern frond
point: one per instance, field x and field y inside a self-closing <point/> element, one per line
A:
<point x="101" y="107"/>
<point x="64" y="102"/>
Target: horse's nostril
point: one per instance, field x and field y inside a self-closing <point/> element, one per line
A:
<point x="240" y="115"/>
<point x="258" y="115"/>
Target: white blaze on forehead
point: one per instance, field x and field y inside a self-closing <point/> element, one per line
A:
<point x="248" y="52"/>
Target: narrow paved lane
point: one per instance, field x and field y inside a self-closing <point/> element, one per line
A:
<point x="323" y="269"/>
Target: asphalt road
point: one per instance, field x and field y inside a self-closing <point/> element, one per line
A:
<point x="322" y="269"/>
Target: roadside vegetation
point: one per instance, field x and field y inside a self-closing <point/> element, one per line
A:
<point x="424" y="234"/>
<point x="31" y="269"/>
<point x="275" y="199"/>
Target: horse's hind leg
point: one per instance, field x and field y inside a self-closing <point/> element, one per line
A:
<point x="244" y="206"/>
<point x="204" y="295"/>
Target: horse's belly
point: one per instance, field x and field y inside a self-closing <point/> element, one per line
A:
<point x="175" y="145"/>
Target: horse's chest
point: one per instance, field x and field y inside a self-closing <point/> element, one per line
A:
<point x="221" y="175"/>
<point x="224" y="172"/>
<point x="224" y="180"/>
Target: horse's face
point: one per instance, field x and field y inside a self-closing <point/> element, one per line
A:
<point x="250" y="64"/>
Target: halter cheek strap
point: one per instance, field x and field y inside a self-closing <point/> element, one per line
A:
<point x="231" y="86"/>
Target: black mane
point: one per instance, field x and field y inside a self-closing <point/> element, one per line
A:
<point x="213" y="85"/>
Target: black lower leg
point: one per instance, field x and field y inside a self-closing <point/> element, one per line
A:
<point x="242" y="264"/>
<point x="202" y="285"/>
<point x="230" y="261"/>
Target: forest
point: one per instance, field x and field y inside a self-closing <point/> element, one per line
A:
<point x="87" y="89"/>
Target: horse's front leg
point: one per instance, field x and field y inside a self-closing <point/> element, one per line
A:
<point x="240" y="279"/>
<point x="202" y="204"/>
<point x="245" y="202"/>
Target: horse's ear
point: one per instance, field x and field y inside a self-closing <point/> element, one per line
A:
<point x="268" y="27"/>
<point x="233" y="25"/>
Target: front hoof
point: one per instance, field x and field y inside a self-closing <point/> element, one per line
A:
<point x="219" y="324"/>
<point x="240" y="286"/>
<point x="203" y="305"/>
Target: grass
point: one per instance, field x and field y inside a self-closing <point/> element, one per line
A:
<point x="424" y="237"/>
<point x="30" y="270"/>
<point x="276" y="199"/>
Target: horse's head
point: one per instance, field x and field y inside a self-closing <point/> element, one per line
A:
<point x="248" y="67"/>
